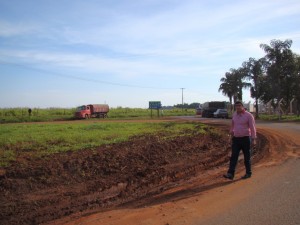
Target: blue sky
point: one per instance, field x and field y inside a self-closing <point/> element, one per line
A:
<point x="126" y="53"/>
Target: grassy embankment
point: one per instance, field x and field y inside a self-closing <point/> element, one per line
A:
<point x="40" y="140"/>
<point x="284" y="118"/>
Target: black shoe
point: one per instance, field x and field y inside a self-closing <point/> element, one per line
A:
<point x="246" y="176"/>
<point x="228" y="176"/>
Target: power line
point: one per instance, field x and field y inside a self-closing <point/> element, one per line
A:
<point x="81" y="78"/>
<point x="182" y="96"/>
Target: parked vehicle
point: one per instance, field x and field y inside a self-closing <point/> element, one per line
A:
<point x="208" y="113"/>
<point x="221" y="113"/>
<point x="199" y="111"/>
<point x="95" y="110"/>
<point x="208" y="108"/>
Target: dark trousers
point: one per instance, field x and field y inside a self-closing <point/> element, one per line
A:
<point x="238" y="144"/>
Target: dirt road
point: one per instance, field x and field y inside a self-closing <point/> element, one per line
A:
<point x="271" y="196"/>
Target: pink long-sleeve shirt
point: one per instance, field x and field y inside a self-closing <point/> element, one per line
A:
<point x="243" y="124"/>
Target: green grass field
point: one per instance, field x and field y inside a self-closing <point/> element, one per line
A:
<point x="36" y="140"/>
<point x="17" y="115"/>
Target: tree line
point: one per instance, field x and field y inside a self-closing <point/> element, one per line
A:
<point x="273" y="77"/>
<point x="193" y="105"/>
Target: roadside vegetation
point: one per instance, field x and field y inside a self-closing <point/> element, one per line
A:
<point x="40" y="140"/>
<point x="284" y="118"/>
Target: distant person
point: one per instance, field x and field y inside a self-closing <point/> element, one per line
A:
<point x="243" y="133"/>
<point x="29" y="111"/>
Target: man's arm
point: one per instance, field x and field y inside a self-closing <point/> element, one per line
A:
<point x="252" y="129"/>
<point x="232" y="128"/>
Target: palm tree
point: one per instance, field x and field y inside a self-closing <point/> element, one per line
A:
<point x="281" y="66"/>
<point x="238" y="76"/>
<point x="226" y="86"/>
<point x="232" y="84"/>
<point x="280" y="69"/>
<point x="255" y="71"/>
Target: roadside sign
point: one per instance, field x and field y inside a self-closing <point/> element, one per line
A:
<point x="154" y="105"/>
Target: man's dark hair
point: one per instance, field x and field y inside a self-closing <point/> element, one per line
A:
<point x="238" y="102"/>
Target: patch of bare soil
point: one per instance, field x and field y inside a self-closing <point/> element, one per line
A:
<point x="73" y="184"/>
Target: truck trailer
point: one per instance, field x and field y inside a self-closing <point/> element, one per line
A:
<point x="92" y="110"/>
<point x="208" y="108"/>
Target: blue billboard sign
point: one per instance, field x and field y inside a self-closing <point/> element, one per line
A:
<point x="154" y="105"/>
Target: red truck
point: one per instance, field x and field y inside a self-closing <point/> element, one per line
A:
<point x="92" y="110"/>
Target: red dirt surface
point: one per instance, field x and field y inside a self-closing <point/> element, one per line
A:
<point x="70" y="185"/>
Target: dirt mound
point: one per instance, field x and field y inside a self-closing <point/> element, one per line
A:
<point x="36" y="191"/>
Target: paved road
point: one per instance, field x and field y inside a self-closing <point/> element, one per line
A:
<point x="271" y="197"/>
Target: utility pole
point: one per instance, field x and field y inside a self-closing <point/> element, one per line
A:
<point x="182" y="97"/>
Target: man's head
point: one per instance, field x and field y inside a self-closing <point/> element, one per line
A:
<point x="239" y="107"/>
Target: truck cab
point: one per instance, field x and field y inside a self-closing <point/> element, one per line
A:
<point x="83" y="111"/>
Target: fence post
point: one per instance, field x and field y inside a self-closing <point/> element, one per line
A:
<point x="291" y="106"/>
<point x="279" y="106"/>
<point x="269" y="107"/>
<point x="280" y="110"/>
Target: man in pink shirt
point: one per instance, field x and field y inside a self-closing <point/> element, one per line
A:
<point x="243" y="135"/>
